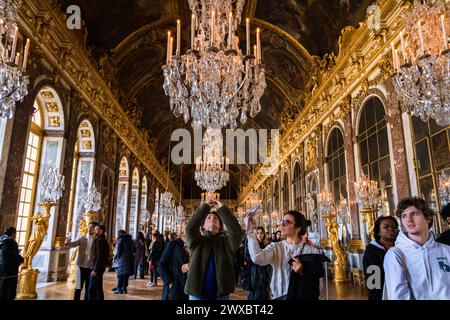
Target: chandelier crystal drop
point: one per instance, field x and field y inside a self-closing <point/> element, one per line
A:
<point x="423" y="78"/>
<point x="214" y="82"/>
<point x="211" y="170"/>
<point x="13" y="80"/>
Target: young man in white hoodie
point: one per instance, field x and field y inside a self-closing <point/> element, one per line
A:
<point x="418" y="267"/>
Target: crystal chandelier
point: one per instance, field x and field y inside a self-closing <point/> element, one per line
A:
<point x="13" y="81"/>
<point x="444" y="188"/>
<point x="214" y="79"/>
<point x="51" y="186"/>
<point x="92" y="200"/>
<point x="367" y="194"/>
<point x="423" y="78"/>
<point x="166" y="202"/>
<point x="325" y="202"/>
<point x="254" y="199"/>
<point x="211" y="170"/>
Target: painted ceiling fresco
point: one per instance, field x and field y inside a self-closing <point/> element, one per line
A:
<point x="127" y="39"/>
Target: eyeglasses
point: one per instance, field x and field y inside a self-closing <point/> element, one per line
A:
<point x="286" y="222"/>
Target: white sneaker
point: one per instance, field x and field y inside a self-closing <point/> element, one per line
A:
<point x="149" y="284"/>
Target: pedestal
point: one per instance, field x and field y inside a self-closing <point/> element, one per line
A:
<point x="340" y="274"/>
<point x="27" y="284"/>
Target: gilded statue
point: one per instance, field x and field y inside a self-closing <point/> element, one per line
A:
<point x="311" y="153"/>
<point x="332" y="229"/>
<point x="35" y="242"/>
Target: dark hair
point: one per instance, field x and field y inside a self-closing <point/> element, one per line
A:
<point x="101" y="227"/>
<point x="122" y="232"/>
<point x="445" y="212"/>
<point x="141" y="236"/>
<point x="265" y="235"/>
<point x="308" y="223"/>
<point x="172" y="235"/>
<point x="10" y="231"/>
<point x="214" y="213"/>
<point x="419" y="203"/>
<point x="376" y="227"/>
<point x="94" y="223"/>
<point x="300" y="221"/>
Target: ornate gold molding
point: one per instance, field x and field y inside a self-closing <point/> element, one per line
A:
<point x="48" y="32"/>
<point x="336" y="77"/>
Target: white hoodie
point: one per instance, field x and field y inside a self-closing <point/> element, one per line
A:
<point x="427" y="272"/>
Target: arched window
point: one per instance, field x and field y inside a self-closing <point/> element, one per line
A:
<point x="122" y="195"/>
<point x="432" y="157"/>
<point x="82" y="173"/>
<point x="144" y="192"/>
<point x="374" y="147"/>
<point x="133" y="223"/>
<point x="337" y="175"/>
<point x="276" y="196"/>
<point x="285" y="191"/>
<point x="43" y="151"/>
<point x="297" y="187"/>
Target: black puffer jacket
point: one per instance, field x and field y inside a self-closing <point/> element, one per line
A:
<point x="169" y="268"/>
<point x="125" y="255"/>
<point x="257" y="278"/>
<point x="10" y="261"/>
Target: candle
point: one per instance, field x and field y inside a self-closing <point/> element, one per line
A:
<point x="258" y="45"/>
<point x="171" y="48"/>
<point x="419" y="23"/>
<point x="230" y="30"/>
<point x="16" y="62"/>
<point x="444" y="32"/>
<point x="213" y="18"/>
<point x="402" y="40"/>
<point x="247" y="27"/>
<point x="255" y="53"/>
<point x="25" y="55"/>
<point x="178" y="37"/>
<point x="16" y="34"/>
<point x="168" y="47"/>
<point x="192" y="31"/>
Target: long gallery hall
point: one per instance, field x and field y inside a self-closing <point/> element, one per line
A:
<point x="224" y="150"/>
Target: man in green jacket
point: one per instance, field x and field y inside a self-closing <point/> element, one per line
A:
<point x="211" y="273"/>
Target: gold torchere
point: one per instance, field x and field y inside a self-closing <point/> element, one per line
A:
<point x="28" y="276"/>
<point x="340" y="274"/>
<point x="369" y="217"/>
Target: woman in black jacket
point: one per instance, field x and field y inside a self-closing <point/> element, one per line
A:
<point x="124" y="261"/>
<point x="173" y="266"/>
<point x="257" y="277"/>
<point x="139" y="243"/>
<point x="156" y="249"/>
<point x="10" y="260"/>
<point x="385" y="231"/>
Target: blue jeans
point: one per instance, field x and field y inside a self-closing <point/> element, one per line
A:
<point x="95" y="291"/>
<point x="141" y="271"/>
<point x="225" y="297"/>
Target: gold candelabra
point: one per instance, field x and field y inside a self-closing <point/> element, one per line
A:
<point x="327" y="209"/>
<point x="369" y="217"/>
<point x="28" y="275"/>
